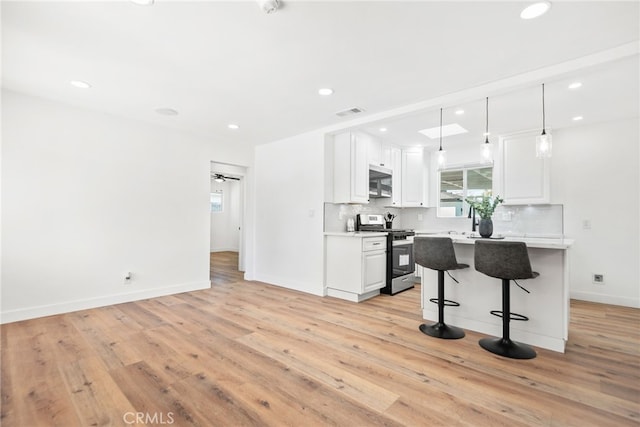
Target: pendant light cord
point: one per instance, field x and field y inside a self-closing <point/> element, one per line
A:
<point x="440" y="129"/>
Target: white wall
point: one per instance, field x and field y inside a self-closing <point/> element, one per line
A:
<point x="289" y="193"/>
<point x="224" y="225"/>
<point x="87" y="197"/>
<point x="594" y="174"/>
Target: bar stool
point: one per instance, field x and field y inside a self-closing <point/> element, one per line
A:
<point x="437" y="253"/>
<point x="507" y="261"/>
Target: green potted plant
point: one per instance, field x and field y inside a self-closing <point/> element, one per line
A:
<point x="485" y="206"/>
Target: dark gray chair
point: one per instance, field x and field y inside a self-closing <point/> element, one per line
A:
<point x="437" y="253"/>
<point x="507" y="261"/>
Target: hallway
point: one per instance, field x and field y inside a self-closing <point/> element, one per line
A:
<point x="223" y="268"/>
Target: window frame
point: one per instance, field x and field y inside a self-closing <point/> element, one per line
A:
<point x="465" y="188"/>
<point x="218" y="194"/>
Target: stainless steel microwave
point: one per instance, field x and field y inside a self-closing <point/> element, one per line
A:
<point x="379" y="182"/>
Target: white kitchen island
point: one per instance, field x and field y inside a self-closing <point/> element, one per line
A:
<point x="547" y="306"/>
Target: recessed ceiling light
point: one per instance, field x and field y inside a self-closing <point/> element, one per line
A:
<point x="577" y="118"/>
<point x="459" y="112"/>
<point x="80" y="84"/>
<point x="325" y="91"/>
<point x="575" y="85"/>
<point x="383" y="129"/>
<point x="447" y="130"/>
<point x="143" y="2"/>
<point x="167" y="111"/>
<point x="536" y="9"/>
<point x="233" y="126"/>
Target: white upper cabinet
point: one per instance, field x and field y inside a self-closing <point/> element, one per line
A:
<point x="374" y="150"/>
<point x="396" y="183"/>
<point x="414" y="178"/>
<point x="525" y="178"/>
<point x="351" y="168"/>
<point x="379" y="153"/>
<point x="387" y="156"/>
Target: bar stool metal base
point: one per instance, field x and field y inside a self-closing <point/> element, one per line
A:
<point x="507" y="348"/>
<point x="440" y="330"/>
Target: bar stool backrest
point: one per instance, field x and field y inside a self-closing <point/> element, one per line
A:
<point x="436" y="253"/>
<point x="503" y="260"/>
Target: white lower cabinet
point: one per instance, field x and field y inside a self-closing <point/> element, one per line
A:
<point x="356" y="266"/>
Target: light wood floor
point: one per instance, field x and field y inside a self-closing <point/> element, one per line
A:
<point x="223" y="268"/>
<point x="246" y="353"/>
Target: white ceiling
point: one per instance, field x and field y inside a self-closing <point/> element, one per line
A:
<point x="609" y="92"/>
<point x="228" y="62"/>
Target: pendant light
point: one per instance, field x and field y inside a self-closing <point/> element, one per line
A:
<point x="442" y="155"/>
<point x="543" y="141"/>
<point x="487" y="147"/>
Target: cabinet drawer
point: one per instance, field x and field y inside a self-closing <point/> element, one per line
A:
<point x="374" y="244"/>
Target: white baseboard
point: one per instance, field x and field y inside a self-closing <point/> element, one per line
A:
<point x="67" y="307"/>
<point x="229" y="249"/>
<point x="295" y="286"/>
<point x="605" y="299"/>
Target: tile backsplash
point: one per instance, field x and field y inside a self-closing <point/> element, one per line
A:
<point x="520" y="221"/>
<point x="336" y="215"/>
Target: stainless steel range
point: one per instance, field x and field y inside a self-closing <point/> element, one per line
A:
<point x="400" y="263"/>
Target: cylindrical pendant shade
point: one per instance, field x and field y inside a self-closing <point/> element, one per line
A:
<point x="442" y="159"/>
<point x="486" y="154"/>
<point x="543" y="145"/>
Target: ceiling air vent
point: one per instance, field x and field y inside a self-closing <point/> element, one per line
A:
<point x="349" y="112"/>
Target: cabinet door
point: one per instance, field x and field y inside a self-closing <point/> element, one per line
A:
<point x="359" y="170"/>
<point x="413" y="179"/>
<point x="374" y="264"/>
<point x="374" y="148"/>
<point x="396" y="183"/>
<point x="525" y="178"/>
<point x="387" y="157"/>
<point x="350" y="169"/>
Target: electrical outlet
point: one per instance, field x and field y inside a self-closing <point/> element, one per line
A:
<point x="598" y="279"/>
<point x="586" y="224"/>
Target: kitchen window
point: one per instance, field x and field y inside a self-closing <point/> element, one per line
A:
<point x="216" y="201"/>
<point x="456" y="184"/>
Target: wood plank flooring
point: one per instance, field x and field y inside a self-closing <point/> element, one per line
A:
<point x="223" y="268"/>
<point x="247" y="353"/>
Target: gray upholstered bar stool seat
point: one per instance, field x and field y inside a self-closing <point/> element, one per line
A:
<point x="437" y="253"/>
<point x="507" y="261"/>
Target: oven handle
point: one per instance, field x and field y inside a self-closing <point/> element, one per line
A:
<point x="402" y="242"/>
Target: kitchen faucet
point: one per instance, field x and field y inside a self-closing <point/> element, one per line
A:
<point x="472" y="214"/>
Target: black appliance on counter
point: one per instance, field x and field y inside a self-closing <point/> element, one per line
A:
<point x="400" y="263"/>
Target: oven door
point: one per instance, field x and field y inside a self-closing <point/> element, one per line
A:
<point x="402" y="258"/>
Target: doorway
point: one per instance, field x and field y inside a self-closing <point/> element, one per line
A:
<point x="226" y="248"/>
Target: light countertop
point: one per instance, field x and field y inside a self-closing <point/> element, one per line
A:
<point x="356" y="234"/>
<point x="532" y="242"/>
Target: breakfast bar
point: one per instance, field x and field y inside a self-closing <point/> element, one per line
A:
<point x="547" y="304"/>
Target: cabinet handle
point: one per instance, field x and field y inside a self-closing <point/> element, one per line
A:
<point x="376" y="243"/>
